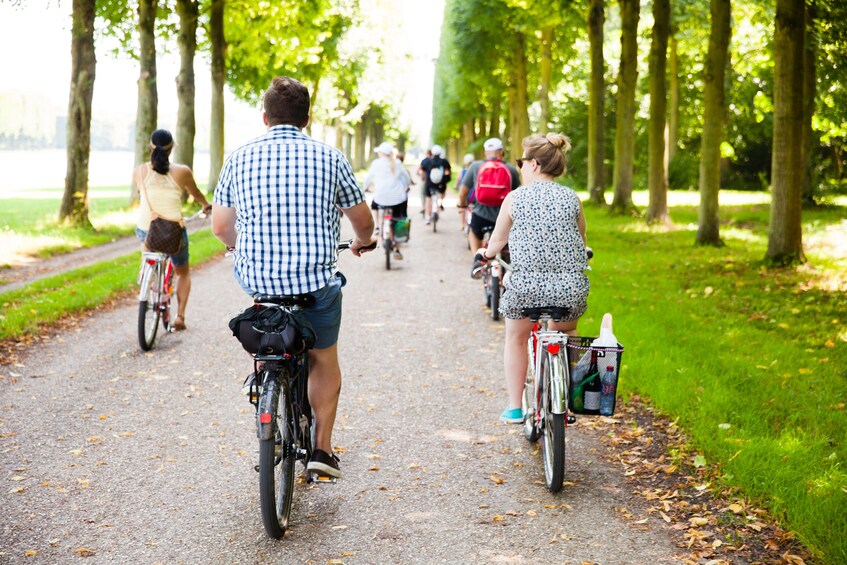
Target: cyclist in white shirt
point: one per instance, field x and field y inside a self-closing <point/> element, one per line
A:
<point x="390" y="181"/>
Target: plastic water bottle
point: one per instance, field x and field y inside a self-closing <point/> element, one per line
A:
<point x="609" y="382"/>
<point x="607" y="339"/>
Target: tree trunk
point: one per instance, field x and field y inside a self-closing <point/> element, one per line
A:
<point x="148" y="98"/>
<point x="596" y="104"/>
<point x="359" y="145"/>
<point x="546" y="68"/>
<point x="74" y="209"/>
<point x="673" y="98"/>
<point x="186" y="127"/>
<point x="785" y="242"/>
<point x="657" y="168"/>
<point x="218" y="72"/>
<point x="714" y="110"/>
<point x="339" y="135"/>
<point x="518" y="102"/>
<point x="312" y="101"/>
<point x="810" y="80"/>
<point x="625" y="122"/>
<point x="494" y="124"/>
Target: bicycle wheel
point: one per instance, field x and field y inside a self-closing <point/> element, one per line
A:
<point x="276" y="485"/>
<point x="165" y="303"/>
<point x="148" y="306"/>
<point x="386" y="244"/>
<point x="494" y="291"/>
<point x="553" y="437"/>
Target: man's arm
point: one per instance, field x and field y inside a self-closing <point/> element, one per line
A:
<point x="363" y="226"/>
<point x="223" y="224"/>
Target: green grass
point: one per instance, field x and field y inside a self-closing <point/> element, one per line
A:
<point x="29" y="226"/>
<point x="714" y="338"/>
<point x="26" y="310"/>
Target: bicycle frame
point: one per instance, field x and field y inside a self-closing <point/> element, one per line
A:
<point x="555" y="343"/>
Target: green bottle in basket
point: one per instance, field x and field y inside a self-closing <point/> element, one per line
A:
<point x="580" y="390"/>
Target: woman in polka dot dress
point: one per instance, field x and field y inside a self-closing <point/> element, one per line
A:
<point x="544" y="225"/>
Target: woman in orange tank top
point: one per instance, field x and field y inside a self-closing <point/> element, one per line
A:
<point x="160" y="184"/>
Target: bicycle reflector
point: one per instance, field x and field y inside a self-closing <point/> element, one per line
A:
<point x="265" y="418"/>
<point x="553" y="348"/>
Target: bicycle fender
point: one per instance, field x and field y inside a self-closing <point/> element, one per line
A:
<point x="558" y="385"/>
<point x="265" y="409"/>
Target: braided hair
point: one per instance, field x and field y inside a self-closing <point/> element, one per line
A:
<point x="162" y="142"/>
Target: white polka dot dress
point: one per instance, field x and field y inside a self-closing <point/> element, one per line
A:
<point x="547" y="252"/>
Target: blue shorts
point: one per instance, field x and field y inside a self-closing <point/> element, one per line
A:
<point x="180" y="258"/>
<point x="325" y="315"/>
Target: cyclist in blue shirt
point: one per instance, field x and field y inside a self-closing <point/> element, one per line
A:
<point x="278" y="203"/>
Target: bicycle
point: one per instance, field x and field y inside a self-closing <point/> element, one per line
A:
<point x="492" y="282"/>
<point x="285" y="423"/>
<point x="387" y="234"/>
<point x="154" y="298"/>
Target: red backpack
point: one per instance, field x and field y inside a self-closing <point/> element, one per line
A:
<point x="493" y="183"/>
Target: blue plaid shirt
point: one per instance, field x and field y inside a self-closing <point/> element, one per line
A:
<point x="286" y="189"/>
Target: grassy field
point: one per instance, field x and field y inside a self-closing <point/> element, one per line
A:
<point x="750" y="361"/>
<point x="29" y="226"/>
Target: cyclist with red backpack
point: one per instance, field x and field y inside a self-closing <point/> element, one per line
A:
<point x="491" y="180"/>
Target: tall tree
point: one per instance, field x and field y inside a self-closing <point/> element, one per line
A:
<point x="785" y="241"/>
<point x="596" y="103"/>
<point x="216" y="120"/>
<point x="74" y="209"/>
<point x="657" y="153"/>
<point x="518" y="97"/>
<point x="810" y="83"/>
<point x="148" y="97"/>
<point x="625" y="120"/>
<point x="186" y="127"/>
<point x="673" y="94"/>
<point x="546" y="67"/>
<point x="714" y="110"/>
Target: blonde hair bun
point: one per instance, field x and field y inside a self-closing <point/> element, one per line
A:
<point x="559" y="140"/>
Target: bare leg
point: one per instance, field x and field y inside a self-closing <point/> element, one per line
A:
<point x="515" y="358"/>
<point x="324" y="390"/>
<point x="564" y="327"/>
<point x="183" y="288"/>
<point x="475" y="242"/>
<point x="428" y="207"/>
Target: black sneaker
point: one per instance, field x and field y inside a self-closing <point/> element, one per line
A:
<point x="476" y="268"/>
<point x="324" y="464"/>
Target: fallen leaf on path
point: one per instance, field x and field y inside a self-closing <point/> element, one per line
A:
<point x="30" y="552"/>
<point x="84" y="551"/>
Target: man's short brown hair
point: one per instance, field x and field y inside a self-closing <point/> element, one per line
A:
<point x="287" y="102"/>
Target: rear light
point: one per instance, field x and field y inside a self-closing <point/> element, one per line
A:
<point x="265" y="418"/>
<point x="553" y="348"/>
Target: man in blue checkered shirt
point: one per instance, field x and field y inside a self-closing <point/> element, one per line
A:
<point x="278" y="203"/>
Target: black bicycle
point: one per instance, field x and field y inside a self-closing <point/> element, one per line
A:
<point x="279" y="341"/>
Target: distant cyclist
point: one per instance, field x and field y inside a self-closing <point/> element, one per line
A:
<point x="544" y="225"/>
<point x="436" y="171"/>
<point x="491" y="180"/>
<point x="390" y="181"/>
<point x="160" y="185"/>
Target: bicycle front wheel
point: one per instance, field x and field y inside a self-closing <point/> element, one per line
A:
<point x="148" y="306"/>
<point x="553" y="434"/>
<point x="276" y="466"/>
<point x="386" y="244"/>
<point x="494" y="290"/>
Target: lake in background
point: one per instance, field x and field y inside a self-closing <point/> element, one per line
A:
<point x="25" y="171"/>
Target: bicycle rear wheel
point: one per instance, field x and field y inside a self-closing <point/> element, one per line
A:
<point x="553" y="432"/>
<point x="530" y="430"/>
<point x="276" y="462"/>
<point x="148" y="306"/>
<point x="386" y="244"/>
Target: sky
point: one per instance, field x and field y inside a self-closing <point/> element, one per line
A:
<point x="39" y="33"/>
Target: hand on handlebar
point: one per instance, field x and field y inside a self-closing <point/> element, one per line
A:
<point x="358" y="246"/>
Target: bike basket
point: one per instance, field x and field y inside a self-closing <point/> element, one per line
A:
<point x="580" y="356"/>
<point x="272" y="330"/>
<point x="401" y="229"/>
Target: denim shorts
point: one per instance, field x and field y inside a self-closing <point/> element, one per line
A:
<point x="325" y="315"/>
<point x="180" y="258"/>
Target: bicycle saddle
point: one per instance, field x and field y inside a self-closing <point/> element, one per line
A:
<point x="301" y="300"/>
<point x="554" y="313"/>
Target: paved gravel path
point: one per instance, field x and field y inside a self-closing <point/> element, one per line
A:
<point x="148" y="458"/>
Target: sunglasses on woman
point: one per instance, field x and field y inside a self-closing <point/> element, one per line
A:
<point x="523" y="160"/>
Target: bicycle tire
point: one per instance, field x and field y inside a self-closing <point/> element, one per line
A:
<point x="386" y="244"/>
<point x="276" y="486"/>
<point x="553" y="435"/>
<point x="148" y="307"/>
<point x="494" y="291"/>
<point x="434" y="221"/>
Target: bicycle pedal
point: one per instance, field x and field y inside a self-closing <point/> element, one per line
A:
<point x="323" y="479"/>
